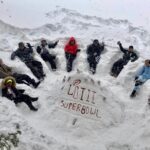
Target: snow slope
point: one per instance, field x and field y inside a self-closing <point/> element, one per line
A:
<point x="27" y="13"/>
<point x="123" y="123"/>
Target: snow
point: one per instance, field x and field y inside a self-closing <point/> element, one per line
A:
<point x="26" y="13"/>
<point x="124" y="122"/>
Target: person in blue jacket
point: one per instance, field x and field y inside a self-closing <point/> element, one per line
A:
<point x="141" y="77"/>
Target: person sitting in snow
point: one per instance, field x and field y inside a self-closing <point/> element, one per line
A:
<point x="129" y="54"/>
<point x="9" y="90"/>
<point x="141" y="77"/>
<point x="25" y="54"/>
<point x="71" y="49"/>
<point x="46" y="56"/>
<point x="6" y="71"/>
<point x="93" y="54"/>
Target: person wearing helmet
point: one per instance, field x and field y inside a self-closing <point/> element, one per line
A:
<point x="71" y="49"/>
<point x="6" y="71"/>
<point x="25" y="54"/>
<point x="43" y="50"/>
<point x="93" y="55"/>
<point x="141" y="77"/>
<point x="9" y="90"/>
<point x="128" y="55"/>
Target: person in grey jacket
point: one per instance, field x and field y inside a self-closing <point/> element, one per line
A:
<point x="25" y="54"/>
<point x="43" y="50"/>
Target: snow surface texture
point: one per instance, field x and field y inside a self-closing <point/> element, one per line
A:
<point x="124" y="123"/>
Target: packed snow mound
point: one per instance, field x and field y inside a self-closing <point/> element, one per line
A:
<point x="30" y="138"/>
<point x="109" y="120"/>
<point x="83" y="96"/>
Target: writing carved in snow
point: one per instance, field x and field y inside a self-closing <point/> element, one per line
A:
<point x="80" y="99"/>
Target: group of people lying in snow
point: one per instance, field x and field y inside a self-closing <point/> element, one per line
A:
<point x="25" y="54"/>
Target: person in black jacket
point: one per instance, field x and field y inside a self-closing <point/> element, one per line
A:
<point x="128" y="55"/>
<point x="25" y="54"/>
<point x="93" y="54"/>
<point x="10" y="91"/>
<point x="46" y="56"/>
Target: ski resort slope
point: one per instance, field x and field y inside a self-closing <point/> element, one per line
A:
<point x="119" y="123"/>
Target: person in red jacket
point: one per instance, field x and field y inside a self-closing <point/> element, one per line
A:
<point x="71" y="49"/>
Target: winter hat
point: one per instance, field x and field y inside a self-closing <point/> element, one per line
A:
<point x="72" y="39"/>
<point x="9" y="81"/>
<point x="95" y="41"/>
<point x="20" y="44"/>
<point x="131" y="47"/>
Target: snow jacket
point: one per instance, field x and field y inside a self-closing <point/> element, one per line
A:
<point x="128" y="55"/>
<point x="25" y="55"/>
<point x="144" y="72"/>
<point x="71" y="49"/>
<point x="95" y="50"/>
<point x="44" y="49"/>
<point x="10" y="92"/>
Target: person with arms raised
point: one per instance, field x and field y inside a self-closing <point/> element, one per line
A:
<point x="25" y="54"/>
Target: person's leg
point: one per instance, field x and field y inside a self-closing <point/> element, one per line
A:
<point x="28" y="100"/>
<point x="140" y="81"/>
<point x="117" y="67"/>
<point x="52" y="62"/>
<point x="70" y="62"/>
<point x="33" y="70"/>
<point x="39" y="68"/>
<point x="19" y="79"/>
<point x="113" y="69"/>
<point x="90" y="63"/>
<point x="28" y="80"/>
<point x="94" y="67"/>
<point x="23" y="78"/>
<point x="67" y="56"/>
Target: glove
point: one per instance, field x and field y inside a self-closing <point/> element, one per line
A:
<point x="136" y="78"/>
<point x="29" y="45"/>
<point x="119" y="43"/>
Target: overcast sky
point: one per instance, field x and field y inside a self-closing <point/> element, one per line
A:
<point x="31" y="13"/>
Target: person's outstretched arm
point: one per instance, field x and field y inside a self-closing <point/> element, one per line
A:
<point x="121" y="47"/>
<point x="13" y="55"/>
<point x="53" y="45"/>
